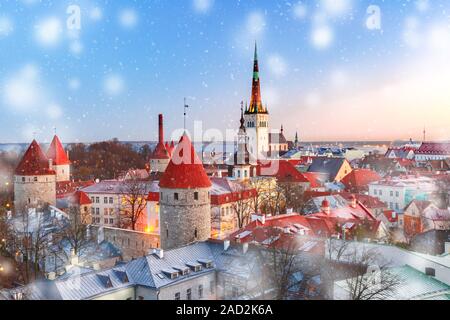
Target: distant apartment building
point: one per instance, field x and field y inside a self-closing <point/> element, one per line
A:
<point x="398" y="192"/>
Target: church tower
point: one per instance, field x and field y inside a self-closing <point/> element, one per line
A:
<point x="257" y="118"/>
<point x="185" y="205"/>
<point x="242" y="158"/>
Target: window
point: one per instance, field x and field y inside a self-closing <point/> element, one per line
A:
<point x="200" y="291"/>
<point x="106" y="221"/>
<point x="35" y="179"/>
<point x="189" y="294"/>
<point x="176" y="196"/>
<point x="196" y="233"/>
<point x="105" y="211"/>
<point x="111" y="221"/>
<point x="97" y="199"/>
<point x="177" y="296"/>
<point x="212" y="287"/>
<point x="235" y="292"/>
<point x="397" y="194"/>
<point x="195" y="195"/>
<point x="105" y="200"/>
<point x="375" y="192"/>
<point x="92" y="211"/>
<point x="97" y="211"/>
<point x="392" y="193"/>
<point x="23" y="179"/>
<point x="111" y="200"/>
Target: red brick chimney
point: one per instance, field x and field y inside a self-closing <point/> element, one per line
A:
<point x="161" y="129"/>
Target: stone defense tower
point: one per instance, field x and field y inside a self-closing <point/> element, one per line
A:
<point x="257" y="118"/>
<point x="60" y="160"/>
<point x="160" y="158"/>
<point x="185" y="206"/>
<point x="34" y="179"/>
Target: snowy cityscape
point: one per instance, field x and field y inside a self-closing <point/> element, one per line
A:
<point x="224" y="151"/>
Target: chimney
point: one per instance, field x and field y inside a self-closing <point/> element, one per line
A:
<point x="51" y="276"/>
<point x="226" y="245"/>
<point x="245" y="248"/>
<point x="159" y="253"/>
<point x="326" y="207"/>
<point x="161" y="129"/>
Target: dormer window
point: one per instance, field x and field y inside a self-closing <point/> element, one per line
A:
<point x="207" y="264"/>
<point x="171" y="274"/>
<point x="196" y="267"/>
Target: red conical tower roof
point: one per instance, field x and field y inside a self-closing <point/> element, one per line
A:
<point x="185" y="170"/>
<point x="56" y="153"/>
<point x="34" y="162"/>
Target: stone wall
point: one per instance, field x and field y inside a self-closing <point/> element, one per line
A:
<point x="185" y="220"/>
<point x="33" y="190"/>
<point x="62" y="172"/>
<point x="133" y="244"/>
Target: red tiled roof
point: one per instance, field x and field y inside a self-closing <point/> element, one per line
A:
<point x="56" y="153"/>
<point x="65" y="188"/>
<point x="80" y="198"/>
<point x="434" y="148"/>
<point x="391" y="215"/>
<point x="160" y="152"/>
<point x="360" y="178"/>
<point x="34" y="162"/>
<point x="313" y="179"/>
<point x="283" y="170"/>
<point x="185" y="170"/>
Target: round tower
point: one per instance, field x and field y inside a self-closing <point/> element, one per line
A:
<point x="60" y="159"/>
<point x="185" y="206"/>
<point x="34" y="179"/>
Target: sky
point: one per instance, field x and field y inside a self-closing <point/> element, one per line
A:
<point x="330" y="69"/>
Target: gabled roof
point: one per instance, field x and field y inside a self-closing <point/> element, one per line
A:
<point x="360" y="178"/>
<point x="56" y="153"/>
<point x="434" y="148"/>
<point x="420" y="204"/>
<point x="34" y="162"/>
<point x="330" y="166"/>
<point x="283" y="170"/>
<point x="80" y="198"/>
<point x="160" y="152"/>
<point x="185" y="170"/>
<point x="277" y="138"/>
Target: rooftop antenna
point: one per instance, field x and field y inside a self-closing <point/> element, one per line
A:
<point x="186" y="107"/>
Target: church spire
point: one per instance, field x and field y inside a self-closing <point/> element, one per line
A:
<point x="256" y="105"/>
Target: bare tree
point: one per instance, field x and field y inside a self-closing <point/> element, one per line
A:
<point x="73" y="230"/>
<point x="31" y="240"/>
<point x="134" y="194"/>
<point x="243" y="206"/>
<point x="366" y="276"/>
<point x="278" y="256"/>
